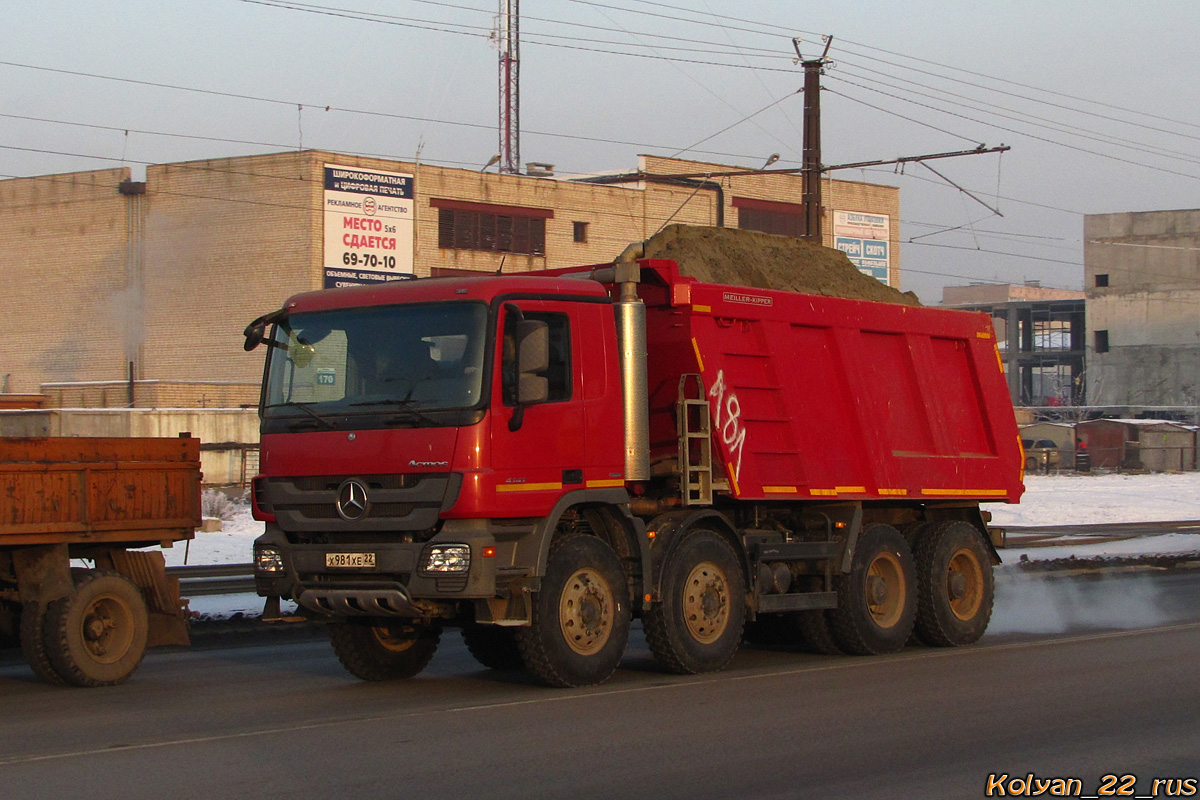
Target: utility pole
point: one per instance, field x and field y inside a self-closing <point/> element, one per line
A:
<point x="509" y="41"/>
<point x="813" y="68"/>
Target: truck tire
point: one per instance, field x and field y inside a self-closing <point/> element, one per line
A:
<point x="97" y="636"/>
<point x="698" y="625"/>
<point x="877" y="599"/>
<point x="956" y="586"/>
<point x="494" y="646"/>
<point x="815" y="634"/>
<point x="383" y="650"/>
<point x="581" y="616"/>
<point x="33" y="643"/>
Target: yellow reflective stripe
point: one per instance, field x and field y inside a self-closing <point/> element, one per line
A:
<point x="850" y="489"/>
<point x="699" y="359"/>
<point x="606" y="484"/>
<point x="983" y="334"/>
<point x="702" y="309"/>
<point x="733" y="479"/>
<point x="966" y="492"/>
<point x="780" y="490"/>
<point x="823" y="492"/>
<point x="893" y="492"/>
<point x="529" y="487"/>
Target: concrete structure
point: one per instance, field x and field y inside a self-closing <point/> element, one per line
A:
<point x="1041" y="335"/>
<point x="121" y="292"/>
<point x="1142" y="276"/>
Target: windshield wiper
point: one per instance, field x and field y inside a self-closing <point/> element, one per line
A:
<point x="404" y="404"/>
<point x="305" y="408"/>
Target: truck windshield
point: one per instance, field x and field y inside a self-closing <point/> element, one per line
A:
<point x="380" y="359"/>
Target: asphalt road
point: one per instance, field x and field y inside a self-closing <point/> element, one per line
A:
<point x="282" y="720"/>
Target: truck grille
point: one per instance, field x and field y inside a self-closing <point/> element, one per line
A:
<point x="401" y="502"/>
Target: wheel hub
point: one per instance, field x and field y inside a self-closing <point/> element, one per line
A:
<point x="585" y="612"/>
<point x="706" y="602"/>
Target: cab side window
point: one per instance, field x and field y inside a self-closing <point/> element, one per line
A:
<point x="558" y="374"/>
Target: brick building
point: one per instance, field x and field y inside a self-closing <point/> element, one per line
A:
<point x="127" y="293"/>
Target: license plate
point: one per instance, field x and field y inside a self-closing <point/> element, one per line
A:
<point x="350" y="560"/>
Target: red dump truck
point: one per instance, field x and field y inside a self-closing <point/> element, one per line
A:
<point x="539" y="458"/>
<point x="93" y="501"/>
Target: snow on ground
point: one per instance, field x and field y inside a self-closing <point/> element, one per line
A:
<point x="1048" y="500"/>
<point x="1026" y="603"/>
<point x="1092" y="499"/>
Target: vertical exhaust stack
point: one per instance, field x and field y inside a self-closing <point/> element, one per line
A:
<point x="631" y="336"/>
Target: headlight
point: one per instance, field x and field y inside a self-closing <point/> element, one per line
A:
<point x="268" y="559"/>
<point x="447" y="558"/>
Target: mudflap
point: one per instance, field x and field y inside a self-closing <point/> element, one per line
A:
<point x="167" y="612"/>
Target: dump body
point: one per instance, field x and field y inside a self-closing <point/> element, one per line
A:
<point x="94" y="499"/>
<point x="87" y="491"/>
<point x="816" y="397"/>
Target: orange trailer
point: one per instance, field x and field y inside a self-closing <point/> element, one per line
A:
<point x="94" y="501"/>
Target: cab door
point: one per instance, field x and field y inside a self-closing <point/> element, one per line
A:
<point x="544" y="457"/>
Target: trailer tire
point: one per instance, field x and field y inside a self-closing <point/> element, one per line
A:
<point x="493" y="646"/>
<point x="877" y="599"/>
<point x="383" y="650"/>
<point x="33" y="643"/>
<point x="97" y="636"/>
<point x="956" y="586"/>
<point x="581" y="615"/>
<point x="698" y="625"/>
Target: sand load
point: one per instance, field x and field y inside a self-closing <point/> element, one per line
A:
<point x="766" y="261"/>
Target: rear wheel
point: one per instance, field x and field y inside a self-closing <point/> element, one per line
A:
<point x="580" y="623"/>
<point x="97" y="636"/>
<point x="33" y="643"/>
<point x="379" y="650"/>
<point x="954" y="573"/>
<point x="698" y="625"/>
<point x="877" y="599"/>
<point x="493" y="646"/>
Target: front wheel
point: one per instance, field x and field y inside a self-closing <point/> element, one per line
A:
<point x="383" y="650"/>
<point x="877" y="599"/>
<point x="698" y="625"/>
<point x="954" y="573"/>
<point x="97" y="636"/>
<point x="493" y="646"/>
<point x="580" y="623"/>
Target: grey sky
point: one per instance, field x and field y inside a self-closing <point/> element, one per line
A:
<point x="585" y="107"/>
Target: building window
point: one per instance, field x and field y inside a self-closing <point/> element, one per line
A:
<point x="1101" y="281"/>
<point x="769" y="216"/>
<point x="1101" y="341"/>
<point x="581" y="231"/>
<point x="483" y="226"/>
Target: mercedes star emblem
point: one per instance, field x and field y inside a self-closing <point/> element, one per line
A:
<point x="352" y="501"/>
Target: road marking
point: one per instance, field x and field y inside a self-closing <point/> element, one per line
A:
<point x="553" y="696"/>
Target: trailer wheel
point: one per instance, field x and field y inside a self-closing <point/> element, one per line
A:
<point x="877" y="599"/>
<point x="33" y="643"/>
<point x="378" y="650"/>
<point x="698" y="625"/>
<point x="581" y="616"/>
<point x="956" y="585"/>
<point x="494" y="646"/>
<point x="97" y="636"/>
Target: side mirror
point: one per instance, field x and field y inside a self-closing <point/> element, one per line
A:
<point x="533" y="358"/>
<point x="254" y="334"/>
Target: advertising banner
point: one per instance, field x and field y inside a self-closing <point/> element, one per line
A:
<point x="368" y="226"/>
<point x="864" y="238"/>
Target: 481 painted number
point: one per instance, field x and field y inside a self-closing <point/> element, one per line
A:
<point x="728" y="419"/>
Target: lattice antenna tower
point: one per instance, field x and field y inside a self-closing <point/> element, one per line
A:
<point x="509" y="44"/>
